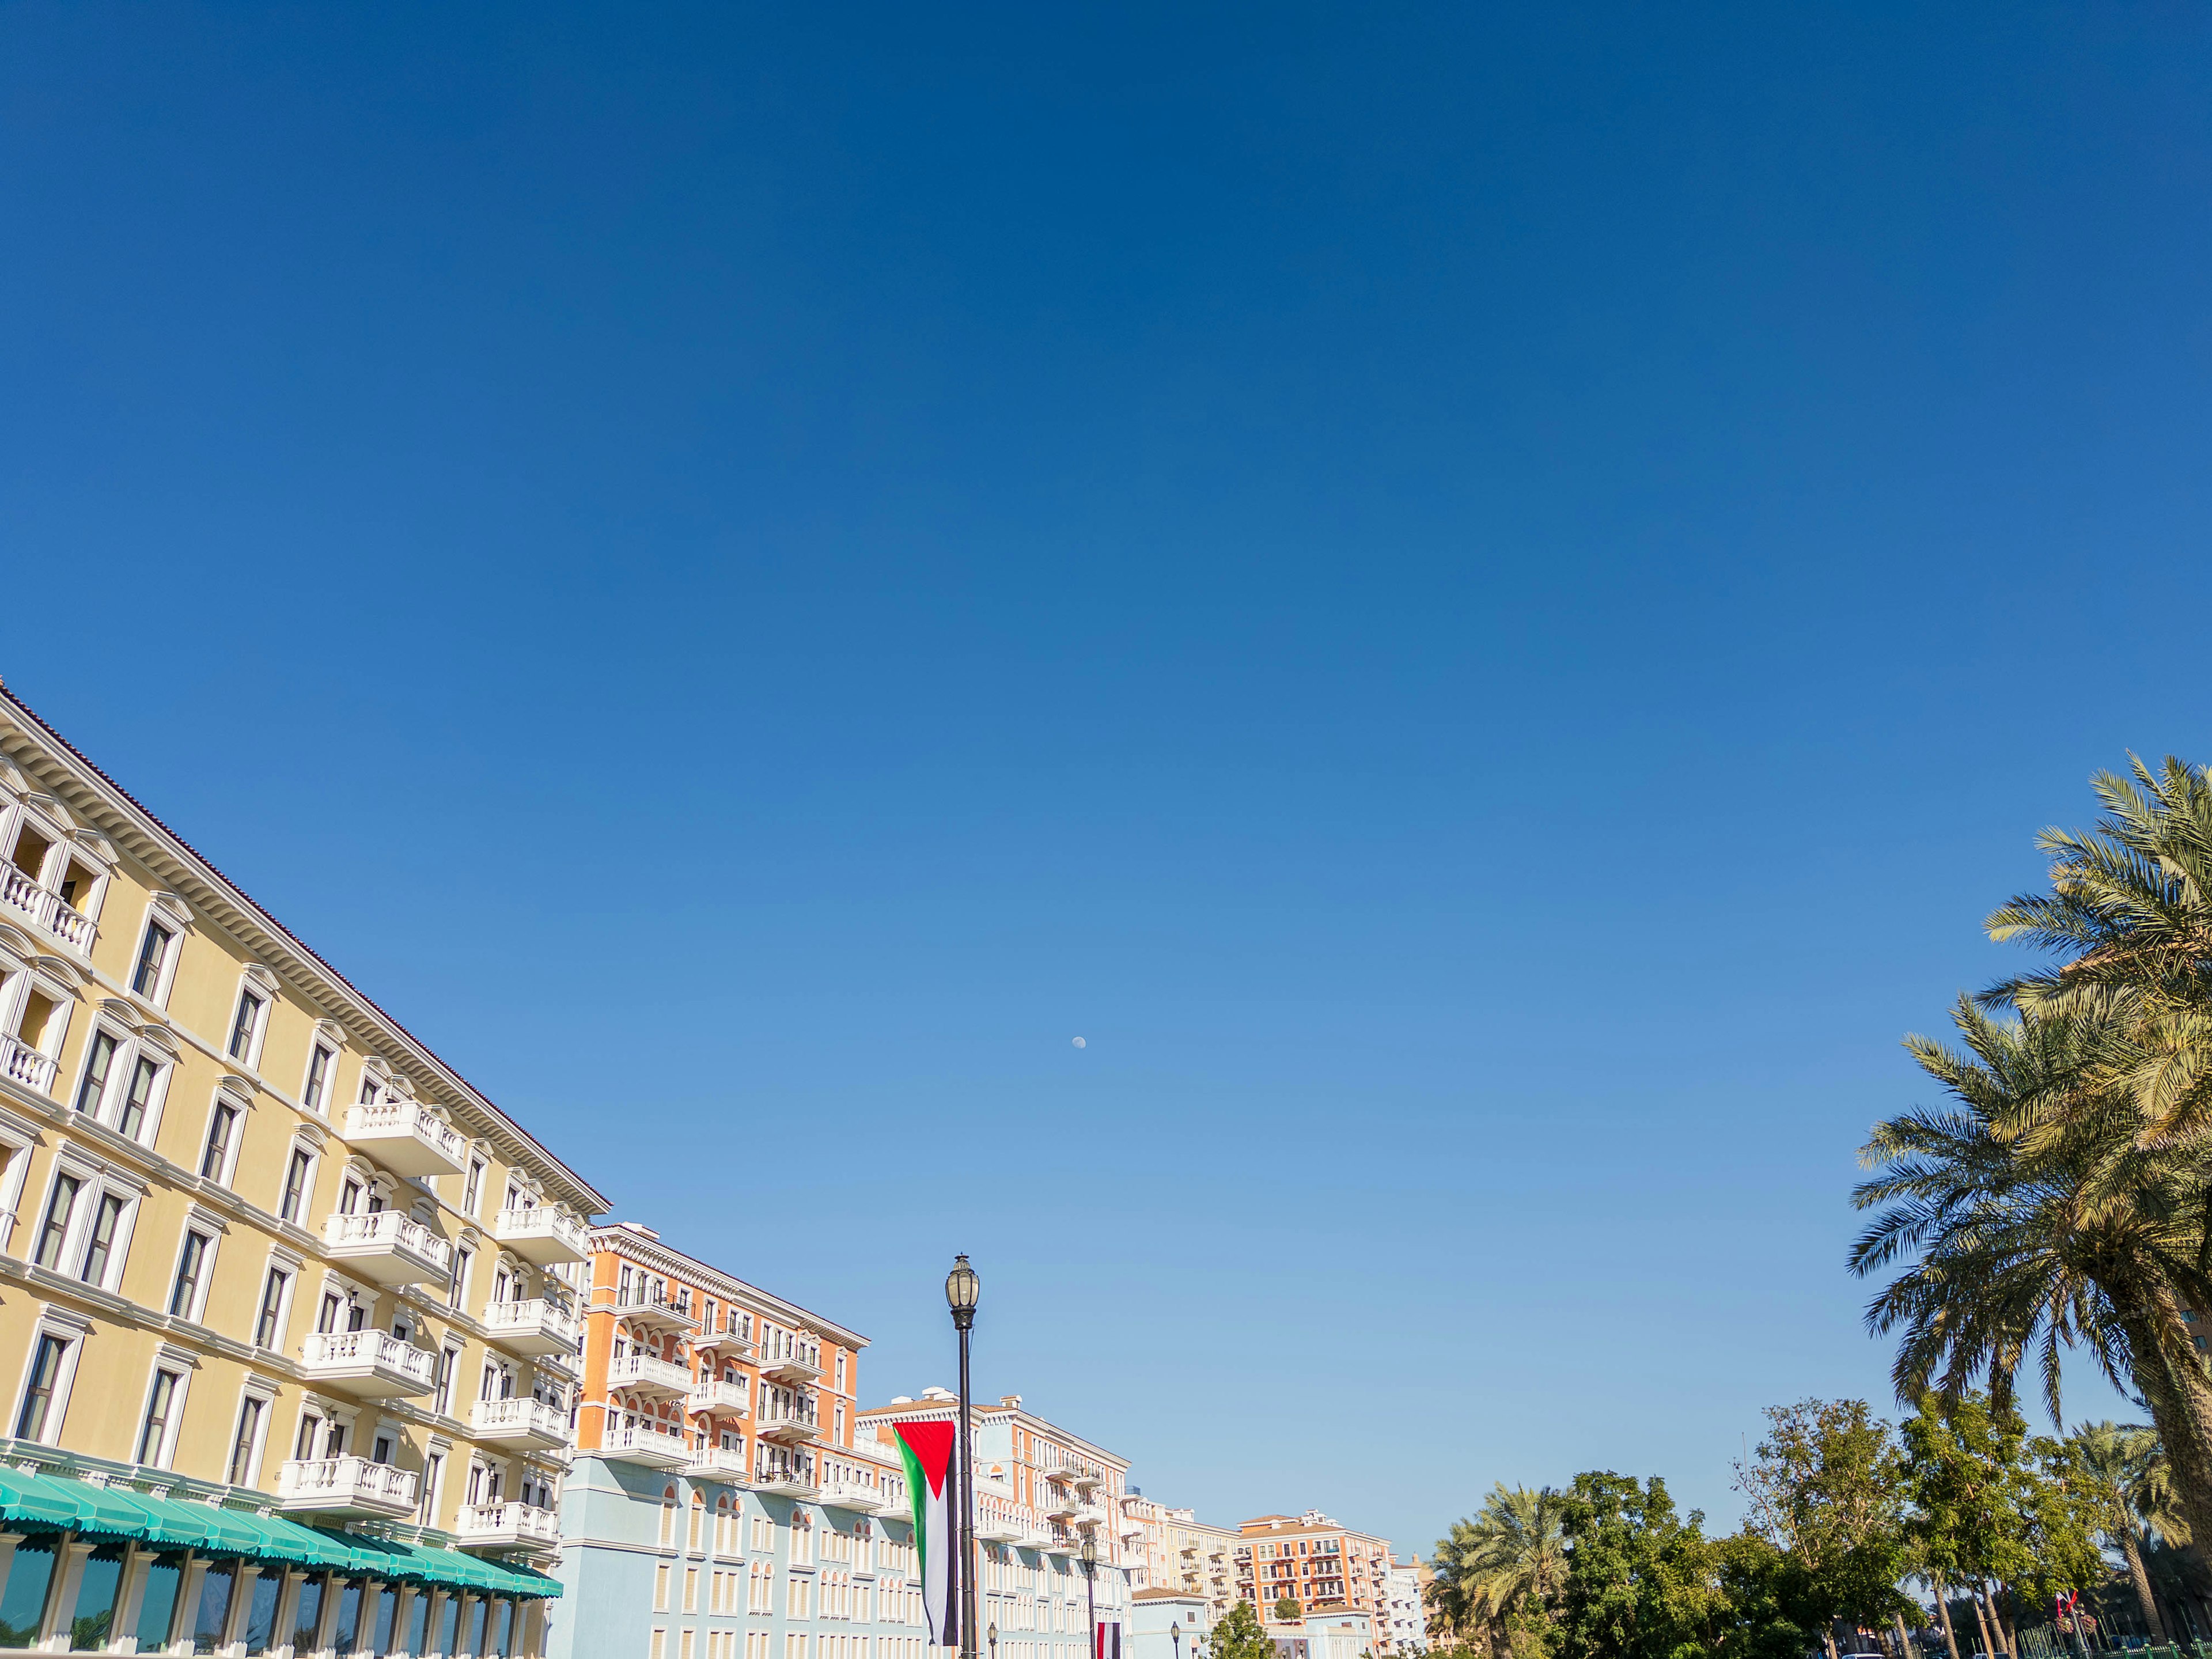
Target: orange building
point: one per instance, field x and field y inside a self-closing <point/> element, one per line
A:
<point x="688" y="1368"/>
<point x="1319" y="1563"/>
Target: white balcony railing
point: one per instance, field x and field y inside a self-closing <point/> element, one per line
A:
<point x="520" y="1419"/>
<point x="46" y="908"/>
<point x="543" y="1234"/>
<point x="513" y="1525"/>
<point x="723" y="1398"/>
<point x="346" y="1486"/>
<point x="718" y="1463"/>
<point x="642" y="1373"/>
<point x="367" y="1362"/>
<point x="656" y="1447"/>
<point x="535" y="1327"/>
<point x="389" y="1246"/>
<point x="405" y="1137"/>
<point x="27" y="1066"/>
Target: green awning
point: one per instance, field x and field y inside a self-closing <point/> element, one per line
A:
<point x="36" y="1501"/>
<point x="203" y="1526"/>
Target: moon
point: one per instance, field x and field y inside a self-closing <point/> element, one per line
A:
<point x="1080" y="1043"/>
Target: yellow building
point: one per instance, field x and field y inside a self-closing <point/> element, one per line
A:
<point x="265" y="1260"/>
<point x="1181" y="1554"/>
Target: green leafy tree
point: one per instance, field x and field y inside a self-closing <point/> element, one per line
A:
<point x="1826" y="1491"/>
<point x="1760" y="1601"/>
<point x="1287" y="1610"/>
<point x="1499" y="1571"/>
<point x="1641" y="1583"/>
<point x="1240" y="1635"/>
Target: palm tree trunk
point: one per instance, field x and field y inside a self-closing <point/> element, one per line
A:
<point x="1943" y="1611"/>
<point x="2136" y="1572"/>
<point x="1904" y="1642"/>
<point x="1998" y="1593"/>
<point x="2179" y="1396"/>
<point x="1982" y="1618"/>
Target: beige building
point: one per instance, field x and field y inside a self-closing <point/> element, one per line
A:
<point x="265" y="1260"/>
<point x="1172" y="1550"/>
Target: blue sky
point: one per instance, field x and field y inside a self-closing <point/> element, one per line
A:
<point x="1480" y="598"/>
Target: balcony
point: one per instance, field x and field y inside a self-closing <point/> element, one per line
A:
<point x="542" y="1236"/>
<point x="798" y="1366"/>
<point x="1086" y="1515"/>
<point x="656" y="1313"/>
<point x="719" y="1398"/>
<point x="507" y="1527"/>
<point x="864" y="1500"/>
<point x="350" y="1486"/>
<point x="1082" y="1479"/>
<point x="27" y="1066"/>
<point x="790" y="1426"/>
<point x="798" y="1482"/>
<point x="719" y="1463"/>
<point x="367" y="1365"/>
<point x="998" y="1528"/>
<point x="656" y="1449"/>
<point x="386" y="1246"/>
<point x="1064" y="1510"/>
<point x="528" y="1424"/>
<point x="729" y="1343"/>
<point x="532" y="1328"/>
<point x="642" y="1373"/>
<point x="405" y="1139"/>
<point x="46" y="908"/>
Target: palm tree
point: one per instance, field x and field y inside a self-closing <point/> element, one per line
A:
<point x="1511" y="1550"/>
<point x="2036" y="1219"/>
<point x="2129" y="1484"/>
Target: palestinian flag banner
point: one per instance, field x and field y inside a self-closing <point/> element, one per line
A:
<point x="928" y="1448"/>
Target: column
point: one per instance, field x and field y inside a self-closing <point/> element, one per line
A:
<point x="61" y="1596"/>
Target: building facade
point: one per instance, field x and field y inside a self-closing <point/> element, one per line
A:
<point x="288" y="1324"/>
<point x="724" y="1504"/>
<point x="1173" y="1550"/>
<point x="1406" y="1622"/>
<point x="1045" y="1506"/>
<point x="1318" y="1562"/>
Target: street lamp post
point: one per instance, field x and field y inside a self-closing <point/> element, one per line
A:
<point x="1090" y="1588"/>
<point x="992" y="1634"/>
<point x="1175" y="1635"/>
<point x="961" y="1290"/>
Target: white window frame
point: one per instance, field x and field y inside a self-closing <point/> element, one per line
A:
<point x="253" y="1387"/>
<point x="74" y="1329"/>
<point x="257" y="981"/>
<point x="229" y="1173"/>
<point x="96" y="1180"/>
<point x="330" y="1039"/>
<point x="171" y="912"/>
<point x="212" y="1227"/>
<point x="182" y="1363"/>
<point x="289" y="1263"/>
<point x="17" y="1136"/>
<point x="311" y="1145"/>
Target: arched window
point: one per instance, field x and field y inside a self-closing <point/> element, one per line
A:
<point x="667" y="1517"/>
<point x="694" y="1539"/>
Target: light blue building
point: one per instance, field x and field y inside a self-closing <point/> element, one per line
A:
<point x="664" y="1564"/>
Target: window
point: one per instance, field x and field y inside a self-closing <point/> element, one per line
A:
<point x="442" y="1396"/>
<point x="93" y="1087"/>
<point x="191" y="1262"/>
<point x="55" y="1228"/>
<point x="161" y="1409"/>
<point x="216" y="1159"/>
<point x="246" y="1026"/>
<point x="144" y="1074"/>
<point x="457" y="1287"/>
<point x="319" y="1079"/>
<point x="245" y="1444"/>
<point x="269" y="1325"/>
<point x="661" y="1586"/>
<point x="296" y="1184"/>
<point x="153" y="958"/>
<point x="37" y="1413"/>
<point x="433" y="1467"/>
<point x="471" y="1190"/>
<point x="99" y="1247"/>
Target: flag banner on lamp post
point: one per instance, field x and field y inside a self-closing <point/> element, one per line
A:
<point x="1106" y="1640"/>
<point x="927" y="1449"/>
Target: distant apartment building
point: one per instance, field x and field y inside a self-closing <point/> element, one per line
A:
<point x="1043" y="1495"/>
<point x="1170" y="1549"/>
<point x="1405" y="1616"/>
<point x="722" y="1506"/>
<point x="286" y="1303"/>
<point x="1319" y="1563"/>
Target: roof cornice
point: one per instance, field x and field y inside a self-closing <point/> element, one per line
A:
<point x="667" y="1259"/>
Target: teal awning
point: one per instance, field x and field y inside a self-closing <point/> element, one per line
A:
<point x="49" y="1503"/>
